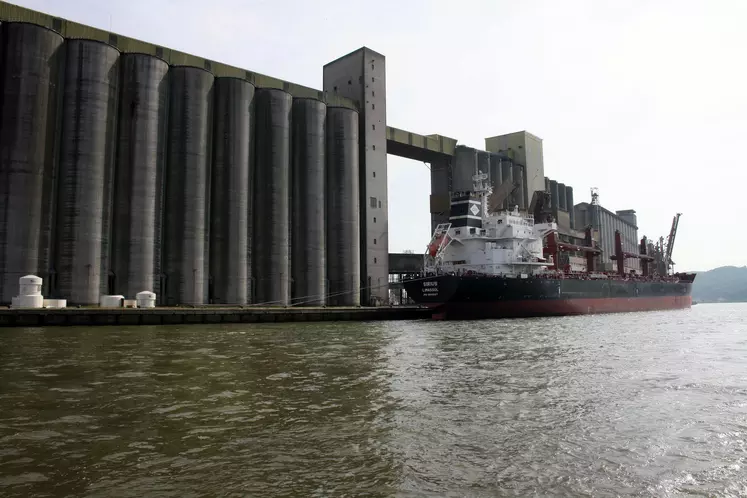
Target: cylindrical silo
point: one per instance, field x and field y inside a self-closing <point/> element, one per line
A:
<point x="496" y="171"/>
<point x="569" y="203"/>
<point x="483" y="163"/>
<point x="32" y="60"/>
<point x="89" y="119"/>
<point x="464" y="168"/>
<point x="554" y="196"/>
<point x="507" y="171"/>
<point x="343" y="208"/>
<point x="230" y="210"/>
<point x="308" y="236"/>
<point x="561" y="197"/>
<point x="518" y="197"/>
<point x="187" y="190"/>
<point x="271" y="253"/>
<point x="138" y="189"/>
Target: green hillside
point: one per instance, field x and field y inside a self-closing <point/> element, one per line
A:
<point x="724" y="284"/>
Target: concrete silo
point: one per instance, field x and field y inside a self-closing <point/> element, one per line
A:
<point x="88" y="145"/>
<point x="185" y="231"/>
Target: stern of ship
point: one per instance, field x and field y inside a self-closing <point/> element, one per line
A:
<point x="432" y="291"/>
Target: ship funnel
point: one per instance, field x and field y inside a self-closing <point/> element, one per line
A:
<point x="466" y="210"/>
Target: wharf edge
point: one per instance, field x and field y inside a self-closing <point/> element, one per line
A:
<point x="201" y="315"/>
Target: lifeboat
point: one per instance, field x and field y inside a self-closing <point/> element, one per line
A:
<point x="435" y="245"/>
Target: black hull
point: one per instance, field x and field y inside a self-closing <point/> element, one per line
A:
<point x="468" y="297"/>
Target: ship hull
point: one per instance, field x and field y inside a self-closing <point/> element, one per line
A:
<point x="470" y="297"/>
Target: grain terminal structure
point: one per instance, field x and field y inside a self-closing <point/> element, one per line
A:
<point x="127" y="166"/>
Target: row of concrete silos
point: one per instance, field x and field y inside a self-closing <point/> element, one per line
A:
<point x="561" y="199"/>
<point x="499" y="169"/>
<point x="120" y="173"/>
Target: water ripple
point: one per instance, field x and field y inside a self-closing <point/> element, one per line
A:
<point x="650" y="404"/>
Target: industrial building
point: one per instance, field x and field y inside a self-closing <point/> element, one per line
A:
<point x="128" y="167"/>
<point x="605" y="223"/>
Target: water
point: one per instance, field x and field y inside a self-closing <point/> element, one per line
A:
<point x="647" y="404"/>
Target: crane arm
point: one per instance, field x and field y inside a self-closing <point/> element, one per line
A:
<point x="670" y="240"/>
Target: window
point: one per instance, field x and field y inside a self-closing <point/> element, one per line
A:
<point x="373" y="94"/>
<point x="335" y="89"/>
<point x="374" y="174"/>
<point x="373" y="147"/>
<point x="379" y="205"/>
<point x="373" y="126"/>
<point x="372" y="79"/>
<point x="372" y="66"/>
<point x="350" y="82"/>
<point x="374" y="219"/>
<point x="374" y="241"/>
<point x="373" y="106"/>
<point x="472" y="231"/>
<point x="457" y="232"/>
<point x="374" y="260"/>
<point x="373" y="202"/>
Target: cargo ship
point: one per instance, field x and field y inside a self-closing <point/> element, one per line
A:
<point x="503" y="263"/>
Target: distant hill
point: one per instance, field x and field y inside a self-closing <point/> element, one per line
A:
<point x="724" y="284"/>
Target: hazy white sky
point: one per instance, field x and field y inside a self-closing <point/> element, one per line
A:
<point x="644" y="99"/>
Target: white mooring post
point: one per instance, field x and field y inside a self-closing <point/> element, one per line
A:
<point x="29" y="295"/>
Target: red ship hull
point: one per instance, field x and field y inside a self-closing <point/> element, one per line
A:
<point x="558" y="307"/>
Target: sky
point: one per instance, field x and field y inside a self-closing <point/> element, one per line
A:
<point x="645" y="100"/>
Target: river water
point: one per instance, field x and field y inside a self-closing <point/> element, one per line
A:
<point x="641" y="404"/>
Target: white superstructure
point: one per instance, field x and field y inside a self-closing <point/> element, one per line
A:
<point x="492" y="243"/>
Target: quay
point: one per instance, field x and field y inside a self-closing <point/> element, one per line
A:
<point x="45" y="317"/>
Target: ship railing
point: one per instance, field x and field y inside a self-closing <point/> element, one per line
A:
<point x="480" y="271"/>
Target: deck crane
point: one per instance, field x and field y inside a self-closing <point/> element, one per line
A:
<point x="670" y="242"/>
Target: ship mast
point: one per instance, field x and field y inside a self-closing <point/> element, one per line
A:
<point x="483" y="188"/>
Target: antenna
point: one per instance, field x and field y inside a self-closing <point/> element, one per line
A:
<point x="594" y="196"/>
<point x="479" y="184"/>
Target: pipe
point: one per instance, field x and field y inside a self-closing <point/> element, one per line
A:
<point x="619" y="256"/>
<point x="589" y="255"/>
